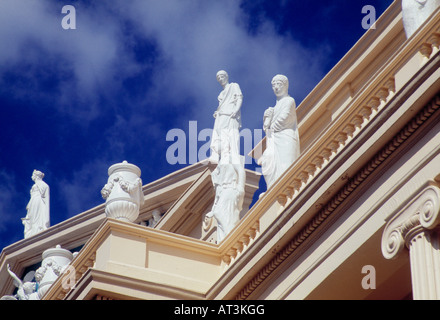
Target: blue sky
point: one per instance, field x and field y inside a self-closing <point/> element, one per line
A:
<point x="74" y="102"/>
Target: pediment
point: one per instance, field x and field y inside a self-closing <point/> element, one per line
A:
<point x="186" y="215"/>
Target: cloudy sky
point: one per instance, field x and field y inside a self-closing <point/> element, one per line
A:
<point x="73" y="102"/>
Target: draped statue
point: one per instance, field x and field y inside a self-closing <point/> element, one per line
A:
<point x="229" y="176"/>
<point x="229" y="179"/>
<point x="227" y="118"/>
<point x="282" y="138"/>
<point x="415" y="12"/>
<point x="38" y="216"/>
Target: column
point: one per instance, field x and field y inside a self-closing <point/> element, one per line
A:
<point x="425" y="269"/>
<point x="414" y="228"/>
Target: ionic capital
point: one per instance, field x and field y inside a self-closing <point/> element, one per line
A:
<point x="421" y="213"/>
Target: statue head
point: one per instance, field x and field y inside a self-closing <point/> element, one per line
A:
<point x="29" y="287"/>
<point x="222" y="77"/>
<point x="156" y="215"/>
<point x="37" y="174"/>
<point x="280" y="85"/>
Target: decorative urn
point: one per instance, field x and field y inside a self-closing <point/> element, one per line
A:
<point x="123" y="192"/>
<point x="55" y="261"/>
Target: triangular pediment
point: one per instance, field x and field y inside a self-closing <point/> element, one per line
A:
<point x="186" y="214"/>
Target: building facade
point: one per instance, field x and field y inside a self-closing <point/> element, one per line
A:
<point x="355" y="217"/>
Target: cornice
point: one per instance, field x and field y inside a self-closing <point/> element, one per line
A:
<point x="352" y="184"/>
<point x="375" y="97"/>
<point x="175" y="184"/>
<point x="86" y="258"/>
<point x="377" y="91"/>
<point x="182" y="209"/>
<point x="102" y="277"/>
<point x="248" y="231"/>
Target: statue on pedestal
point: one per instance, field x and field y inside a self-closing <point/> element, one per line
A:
<point x="227" y="118"/>
<point x="38" y="215"/>
<point x="229" y="176"/>
<point x="229" y="179"/>
<point x="415" y="12"/>
<point x="282" y="138"/>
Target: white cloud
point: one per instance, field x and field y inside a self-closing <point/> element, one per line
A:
<point x="199" y="38"/>
<point x="193" y="40"/>
<point x="80" y="63"/>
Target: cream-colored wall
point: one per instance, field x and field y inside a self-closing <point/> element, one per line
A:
<point x="133" y="256"/>
<point x="354" y="240"/>
<point x="281" y="232"/>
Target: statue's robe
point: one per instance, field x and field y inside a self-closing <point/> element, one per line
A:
<point x="416" y="12"/>
<point x="282" y="140"/>
<point x="38" y="209"/>
<point x="227" y="125"/>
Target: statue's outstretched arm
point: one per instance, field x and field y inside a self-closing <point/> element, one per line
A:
<point x="17" y="281"/>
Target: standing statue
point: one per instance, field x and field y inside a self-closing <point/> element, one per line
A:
<point x="282" y="138"/>
<point x="38" y="216"/>
<point x="227" y="118"/>
<point x="229" y="179"/>
<point x="415" y="12"/>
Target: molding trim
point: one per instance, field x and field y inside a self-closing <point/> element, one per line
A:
<point x="409" y="129"/>
<point x="85" y="261"/>
<point x="101" y="279"/>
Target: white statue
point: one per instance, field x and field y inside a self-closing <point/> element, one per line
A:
<point x="227" y="118"/>
<point x="282" y="138"/>
<point x="38" y="215"/>
<point x="55" y="262"/>
<point x="155" y="217"/>
<point x="415" y="12"/>
<point x="229" y="179"/>
<point x="26" y="288"/>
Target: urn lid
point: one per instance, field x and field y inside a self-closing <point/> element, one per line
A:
<point x="57" y="251"/>
<point x="124" y="166"/>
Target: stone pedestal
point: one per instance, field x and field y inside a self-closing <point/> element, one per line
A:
<point x="123" y="192"/>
